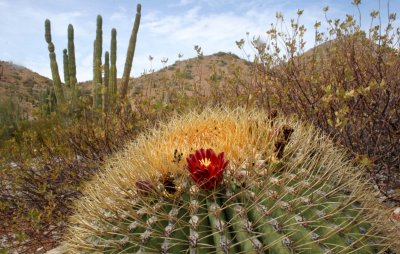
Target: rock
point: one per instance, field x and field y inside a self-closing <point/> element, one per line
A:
<point x="396" y="214"/>
<point x="59" y="250"/>
<point x="40" y="250"/>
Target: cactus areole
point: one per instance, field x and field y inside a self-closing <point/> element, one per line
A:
<point x="207" y="168"/>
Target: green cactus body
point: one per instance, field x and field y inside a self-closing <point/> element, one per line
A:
<point x="52" y="100"/>
<point x="44" y="101"/>
<point x="113" y="67"/>
<point x="311" y="200"/>
<point x="66" y="69"/>
<point x="97" y="68"/>
<point x="71" y="57"/>
<point x="106" y="87"/>
<point x="72" y="67"/>
<point x="130" y="53"/>
<point x="53" y="64"/>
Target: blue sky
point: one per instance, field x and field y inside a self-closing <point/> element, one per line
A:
<point x="168" y="28"/>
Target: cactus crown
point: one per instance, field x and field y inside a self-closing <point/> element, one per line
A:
<point x="286" y="189"/>
<point x="70" y="30"/>
<point x="47" y="28"/>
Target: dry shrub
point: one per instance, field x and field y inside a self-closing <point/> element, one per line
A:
<point x="43" y="168"/>
<point x="348" y="85"/>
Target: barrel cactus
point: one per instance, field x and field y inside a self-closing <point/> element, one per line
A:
<point x="230" y="181"/>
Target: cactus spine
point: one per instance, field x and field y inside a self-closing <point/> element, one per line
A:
<point x="106" y="87"/>
<point x="53" y="64"/>
<point x="113" y="68"/>
<point x="310" y="200"/>
<point x="130" y="53"/>
<point x="97" y="69"/>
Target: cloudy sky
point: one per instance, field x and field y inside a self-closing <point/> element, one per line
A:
<point x="168" y="28"/>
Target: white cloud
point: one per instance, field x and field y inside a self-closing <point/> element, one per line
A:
<point x="166" y="28"/>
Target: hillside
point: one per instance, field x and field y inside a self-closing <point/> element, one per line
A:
<point x="193" y="74"/>
<point x="22" y="85"/>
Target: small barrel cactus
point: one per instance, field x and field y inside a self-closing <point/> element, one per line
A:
<point x="230" y="181"/>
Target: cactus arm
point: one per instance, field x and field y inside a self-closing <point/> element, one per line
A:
<point x="95" y="84"/>
<point x="130" y="53"/>
<point x="99" y="46"/>
<point x="53" y="64"/>
<point x="106" y="87"/>
<point x="113" y="67"/>
<point x="71" y="58"/>
<point x="97" y="53"/>
<point x="66" y="70"/>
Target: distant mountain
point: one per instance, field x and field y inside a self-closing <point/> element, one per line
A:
<point x="22" y="85"/>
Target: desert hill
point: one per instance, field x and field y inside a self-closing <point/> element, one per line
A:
<point x="188" y="75"/>
<point x="22" y="85"/>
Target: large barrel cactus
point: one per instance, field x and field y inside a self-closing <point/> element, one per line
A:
<point x="230" y="181"/>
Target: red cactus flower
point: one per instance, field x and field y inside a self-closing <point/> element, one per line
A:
<point x="206" y="168"/>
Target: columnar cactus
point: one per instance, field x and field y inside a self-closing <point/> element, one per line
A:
<point x="53" y="63"/>
<point x="71" y="58"/>
<point x="113" y="67"/>
<point x="130" y="53"/>
<point x="66" y="69"/>
<point x="263" y="186"/>
<point x="52" y="100"/>
<point x="44" y="101"/>
<point x="97" y="70"/>
<point x="106" y="87"/>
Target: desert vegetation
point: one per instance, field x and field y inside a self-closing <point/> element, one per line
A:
<point x="345" y="91"/>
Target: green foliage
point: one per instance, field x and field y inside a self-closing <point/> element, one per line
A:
<point x="10" y="116"/>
